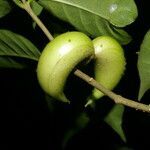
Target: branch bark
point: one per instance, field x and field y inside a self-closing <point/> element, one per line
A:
<point x="118" y="99"/>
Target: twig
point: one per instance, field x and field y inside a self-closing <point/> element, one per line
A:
<point x="116" y="98"/>
<point x="28" y="8"/>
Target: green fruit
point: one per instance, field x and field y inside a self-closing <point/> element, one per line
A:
<point x="109" y="64"/>
<point x="59" y="58"/>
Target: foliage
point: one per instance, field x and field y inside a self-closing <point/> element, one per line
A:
<point x="144" y="65"/>
<point x="14" y="45"/>
<point x="95" y="18"/>
<point x="5" y="8"/>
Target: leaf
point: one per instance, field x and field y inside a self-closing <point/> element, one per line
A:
<point x="14" y="46"/>
<point x="118" y="12"/>
<point x="5" y="8"/>
<point x="81" y="121"/>
<point x="114" y="119"/>
<point x="144" y="65"/>
<point x="94" y="17"/>
<point x="36" y="8"/>
<point x="7" y="62"/>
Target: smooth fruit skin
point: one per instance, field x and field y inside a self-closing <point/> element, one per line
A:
<point x="59" y="58"/>
<point x="109" y="64"/>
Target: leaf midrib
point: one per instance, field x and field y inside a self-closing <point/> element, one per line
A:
<point x="79" y="7"/>
<point x="88" y="10"/>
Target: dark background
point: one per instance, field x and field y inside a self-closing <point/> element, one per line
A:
<point x="27" y="122"/>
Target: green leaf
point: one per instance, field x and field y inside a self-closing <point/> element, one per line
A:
<point x="7" y="62"/>
<point x="15" y="46"/>
<point x="36" y="8"/>
<point x="94" y="17"/>
<point x="144" y="65"/>
<point x="5" y="8"/>
<point x="81" y="121"/>
<point x="118" y="12"/>
<point x="114" y="119"/>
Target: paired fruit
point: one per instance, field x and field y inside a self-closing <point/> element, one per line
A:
<point x="59" y="58"/>
<point x="67" y="50"/>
